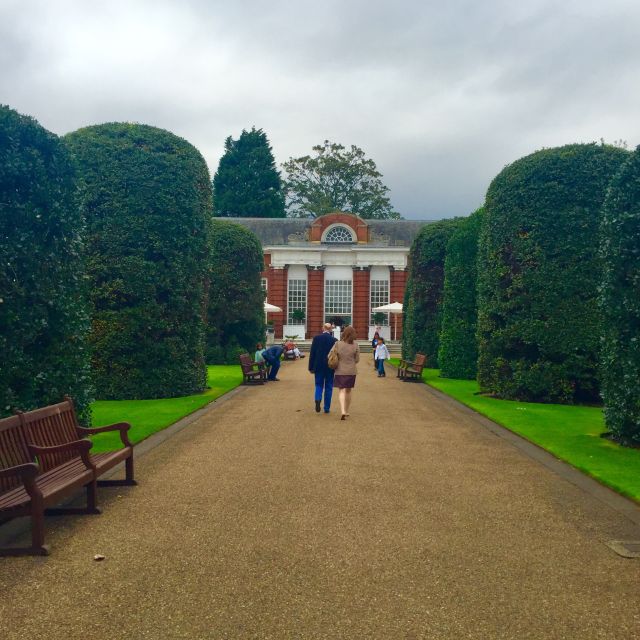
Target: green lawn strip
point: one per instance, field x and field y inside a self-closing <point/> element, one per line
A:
<point x="571" y="433"/>
<point x="148" y="416"/>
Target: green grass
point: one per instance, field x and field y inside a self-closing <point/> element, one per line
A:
<point x="571" y="433"/>
<point x="148" y="416"/>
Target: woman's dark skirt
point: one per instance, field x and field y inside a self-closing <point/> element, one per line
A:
<point x="344" y="382"/>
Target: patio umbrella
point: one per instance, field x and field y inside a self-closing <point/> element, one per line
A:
<point x="270" y="308"/>
<point x="395" y="308"/>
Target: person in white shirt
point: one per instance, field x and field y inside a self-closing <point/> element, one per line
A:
<point x="382" y="354"/>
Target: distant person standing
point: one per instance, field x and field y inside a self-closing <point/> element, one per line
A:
<point x="345" y="377"/>
<point x="258" y="355"/>
<point x="381" y="354"/>
<point x="374" y="344"/>
<point x="272" y="358"/>
<point x="320" y="347"/>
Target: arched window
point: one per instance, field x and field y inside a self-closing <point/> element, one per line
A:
<point x="338" y="234"/>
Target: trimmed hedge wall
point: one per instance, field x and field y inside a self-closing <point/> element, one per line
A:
<point x="538" y="273"/>
<point x="147" y="199"/>
<point x="423" y="294"/>
<point x="43" y="310"/>
<point x="620" y="303"/>
<point x="458" y="352"/>
<point x="236" y="301"/>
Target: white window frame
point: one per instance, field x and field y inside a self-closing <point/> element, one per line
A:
<point x="340" y="225"/>
<point x="299" y="301"/>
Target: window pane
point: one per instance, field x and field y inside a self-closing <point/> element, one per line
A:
<point x="379" y="297"/>
<point x="337" y="297"/>
<point x="338" y="234"/>
<point x="297" y="300"/>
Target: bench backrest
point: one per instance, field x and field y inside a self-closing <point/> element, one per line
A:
<point x="420" y="360"/>
<point x="246" y="362"/>
<point x="49" y="426"/>
<point x="13" y="450"/>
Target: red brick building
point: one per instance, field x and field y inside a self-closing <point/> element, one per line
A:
<point x="335" y="268"/>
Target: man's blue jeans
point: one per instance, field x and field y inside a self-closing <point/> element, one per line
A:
<point x="324" y="382"/>
<point x="274" y="365"/>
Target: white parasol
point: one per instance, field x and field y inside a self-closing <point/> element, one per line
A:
<point x="395" y="308"/>
<point x="270" y="308"/>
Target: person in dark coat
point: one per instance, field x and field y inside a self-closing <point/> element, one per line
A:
<point x="272" y="358"/>
<point x="318" y="365"/>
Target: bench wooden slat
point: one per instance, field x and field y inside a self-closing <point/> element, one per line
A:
<point x="60" y="473"/>
<point x="13" y="450"/>
<point x="252" y="372"/>
<point x="412" y="370"/>
<point x="52" y="484"/>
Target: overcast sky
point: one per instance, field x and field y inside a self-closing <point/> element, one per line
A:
<point x="441" y="95"/>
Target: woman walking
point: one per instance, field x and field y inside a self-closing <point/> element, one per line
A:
<point x="345" y="379"/>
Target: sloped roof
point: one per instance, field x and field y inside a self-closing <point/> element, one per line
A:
<point x="295" y="231"/>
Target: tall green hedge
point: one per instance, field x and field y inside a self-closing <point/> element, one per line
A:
<point x="620" y="303"/>
<point x="43" y="310"/>
<point x="538" y="320"/>
<point x="458" y="352"/>
<point x="423" y="294"/>
<point x="236" y="301"/>
<point x="147" y="200"/>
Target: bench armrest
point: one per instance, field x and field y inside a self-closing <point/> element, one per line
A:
<point x="122" y="427"/>
<point x="28" y="470"/>
<point x="27" y="473"/>
<point x="81" y="446"/>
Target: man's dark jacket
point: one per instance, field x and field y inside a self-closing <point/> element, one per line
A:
<point x="272" y="354"/>
<point x="320" y="347"/>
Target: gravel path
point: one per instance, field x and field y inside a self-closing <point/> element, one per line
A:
<point x="264" y="519"/>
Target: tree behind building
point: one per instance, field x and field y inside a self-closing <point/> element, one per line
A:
<point x="247" y="183"/>
<point x="336" y="179"/>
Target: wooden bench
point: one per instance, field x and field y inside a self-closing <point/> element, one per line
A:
<point x="252" y="372"/>
<point x="58" y="424"/>
<point x="29" y="489"/>
<point x="411" y="371"/>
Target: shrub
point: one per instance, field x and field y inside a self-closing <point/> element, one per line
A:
<point x="147" y="199"/>
<point x="458" y="352"/>
<point x="620" y="303"/>
<point x="43" y="310"/>
<point x="538" y="272"/>
<point x="236" y="301"/>
<point x="423" y="293"/>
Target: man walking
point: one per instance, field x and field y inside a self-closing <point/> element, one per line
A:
<point x="320" y="347"/>
<point x="272" y="358"/>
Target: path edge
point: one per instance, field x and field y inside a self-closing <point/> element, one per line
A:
<point x="614" y="500"/>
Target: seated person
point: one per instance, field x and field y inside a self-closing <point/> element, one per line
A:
<point x="291" y="349"/>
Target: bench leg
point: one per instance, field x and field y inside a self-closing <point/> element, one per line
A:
<point x="90" y="509"/>
<point x="127" y="482"/>
<point x="38" y="547"/>
<point x="9" y="552"/>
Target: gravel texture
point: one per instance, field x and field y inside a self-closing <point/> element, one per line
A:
<point x="265" y="519"/>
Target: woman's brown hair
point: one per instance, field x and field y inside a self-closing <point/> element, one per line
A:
<point x="348" y="335"/>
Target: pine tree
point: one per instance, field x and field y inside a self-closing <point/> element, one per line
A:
<point x="247" y="183"/>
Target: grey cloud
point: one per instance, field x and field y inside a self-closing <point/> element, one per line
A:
<point x="440" y="95"/>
